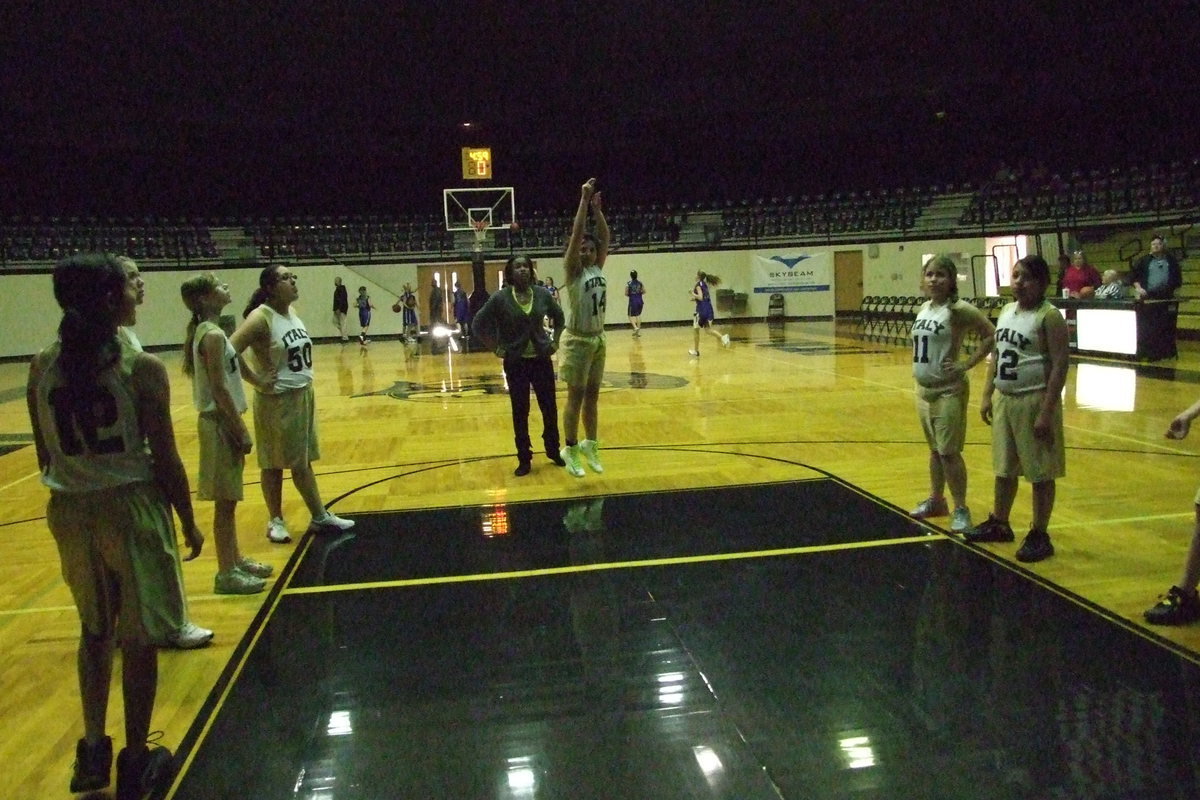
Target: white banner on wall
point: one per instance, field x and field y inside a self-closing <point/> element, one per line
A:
<point x="793" y="273"/>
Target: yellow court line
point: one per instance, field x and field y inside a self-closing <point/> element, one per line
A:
<point x="577" y="568"/>
<point x="14" y="612"/>
<point x="20" y="480"/>
<point x="1125" y="520"/>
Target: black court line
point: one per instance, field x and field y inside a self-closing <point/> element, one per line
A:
<point x="922" y="669"/>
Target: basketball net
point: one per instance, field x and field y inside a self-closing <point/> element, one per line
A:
<point x="479" y="228"/>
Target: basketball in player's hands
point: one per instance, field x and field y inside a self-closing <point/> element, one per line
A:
<point x="396" y="306"/>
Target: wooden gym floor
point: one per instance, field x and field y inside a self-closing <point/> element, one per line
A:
<point x="738" y="607"/>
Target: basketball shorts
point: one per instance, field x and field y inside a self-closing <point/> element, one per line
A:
<point x="702" y="317"/>
<point x="221" y="465"/>
<point x="943" y="415"/>
<point x="581" y="360"/>
<point x="285" y="429"/>
<point x="1015" y="450"/>
<point x="121" y="561"/>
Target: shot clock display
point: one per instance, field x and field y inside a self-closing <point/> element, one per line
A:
<point x="476" y="163"/>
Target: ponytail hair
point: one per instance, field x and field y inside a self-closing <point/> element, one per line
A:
<point x="193" y="291"/>
<point x="709" y="278"/>
<point x="89" y="287"/>
<point x="266" y="279"/>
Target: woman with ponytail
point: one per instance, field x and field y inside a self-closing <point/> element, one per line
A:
<point x="285" y="414"/>
<point x="101" y="417"/>
<point x="216" y="373"/>
<point x="702" y="317"/>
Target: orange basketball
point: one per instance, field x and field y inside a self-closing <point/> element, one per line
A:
<point x="397" y="307"/>
<point x="514" y="226"/>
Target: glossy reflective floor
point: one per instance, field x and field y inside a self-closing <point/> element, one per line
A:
<point x="788" y="640"/>
<point x="738" y="607"/>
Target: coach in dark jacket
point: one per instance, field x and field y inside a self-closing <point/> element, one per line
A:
<point x="511" y="322"/>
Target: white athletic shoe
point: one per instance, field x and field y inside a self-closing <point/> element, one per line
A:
<point x="330" y="523"/>
<point x="591" y="454"/>
<point x="695" y="353"/>
<point x="960" y="520"/>
<point x="277" y="531"/>
<point x="235" y="581"/>
<point x="255" y="568"/>
<point x="570" y="454"/>
<point x="189" y="637"/>
<point x="725" y="340"/>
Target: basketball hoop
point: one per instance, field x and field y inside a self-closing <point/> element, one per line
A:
<point x="480" y="229"/>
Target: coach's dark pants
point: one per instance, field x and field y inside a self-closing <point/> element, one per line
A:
<point x="537" y="373"/>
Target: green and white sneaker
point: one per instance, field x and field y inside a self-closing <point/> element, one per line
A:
<point x="590" y="449"/>
<point x="570" y="454"/>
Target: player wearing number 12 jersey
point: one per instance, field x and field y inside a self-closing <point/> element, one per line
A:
<point x="101" y="417"/>
<point x="941" y="385"/>
<point x="583" y="344"/>
<point x="1029" y="367"/>
<point x="285" y="416"/>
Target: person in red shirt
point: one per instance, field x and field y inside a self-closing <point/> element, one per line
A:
<point x="1081" y="279"/>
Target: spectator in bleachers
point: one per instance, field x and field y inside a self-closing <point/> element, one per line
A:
<point x="1111" y="286"/>
<point x="1080" y="279"/>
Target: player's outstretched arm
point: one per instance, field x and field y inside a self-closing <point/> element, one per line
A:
<point x="571" y="264"/>
<point x="603" y="235"/>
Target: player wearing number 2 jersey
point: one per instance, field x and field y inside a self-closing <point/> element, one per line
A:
<point x="941" y="385"/>
<point x="1029" y="367"/>
<point x="285" y="418"/>
<point x="583" y="344"/>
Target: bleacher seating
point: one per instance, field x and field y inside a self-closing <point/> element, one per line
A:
<point x="1010" y="202"/>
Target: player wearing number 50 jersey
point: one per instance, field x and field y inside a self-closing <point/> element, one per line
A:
<point x="1029" y="367"/>
<point x="583" y="345"/>
<point x="285" y="418"/>
<point x="941" y="386"/>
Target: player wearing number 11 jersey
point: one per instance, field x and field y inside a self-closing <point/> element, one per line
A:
<point x="942" y="389"/>
<point x="285" y="415"/>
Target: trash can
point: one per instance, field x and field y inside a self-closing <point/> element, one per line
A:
<point x="739" y="303"/>
<point x="724" y="299"/>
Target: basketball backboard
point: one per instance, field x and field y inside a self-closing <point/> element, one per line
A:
<point x="495" y="205"/>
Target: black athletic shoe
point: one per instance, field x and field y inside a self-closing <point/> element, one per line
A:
<point x="1035" y="547"/>
<point x="522" y="469"/>
<point x="990" y="530"/>
<point x="556" y="458"/>
<point x="146" y="775"/>
<point x="1176" y="607"/>
<point x="93" y="766"/>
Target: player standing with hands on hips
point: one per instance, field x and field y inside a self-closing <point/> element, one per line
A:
<point x="583" y="344"/>
<point x="941" y="386"/>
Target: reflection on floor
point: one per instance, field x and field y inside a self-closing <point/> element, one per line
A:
<point x="789" y="640"/>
